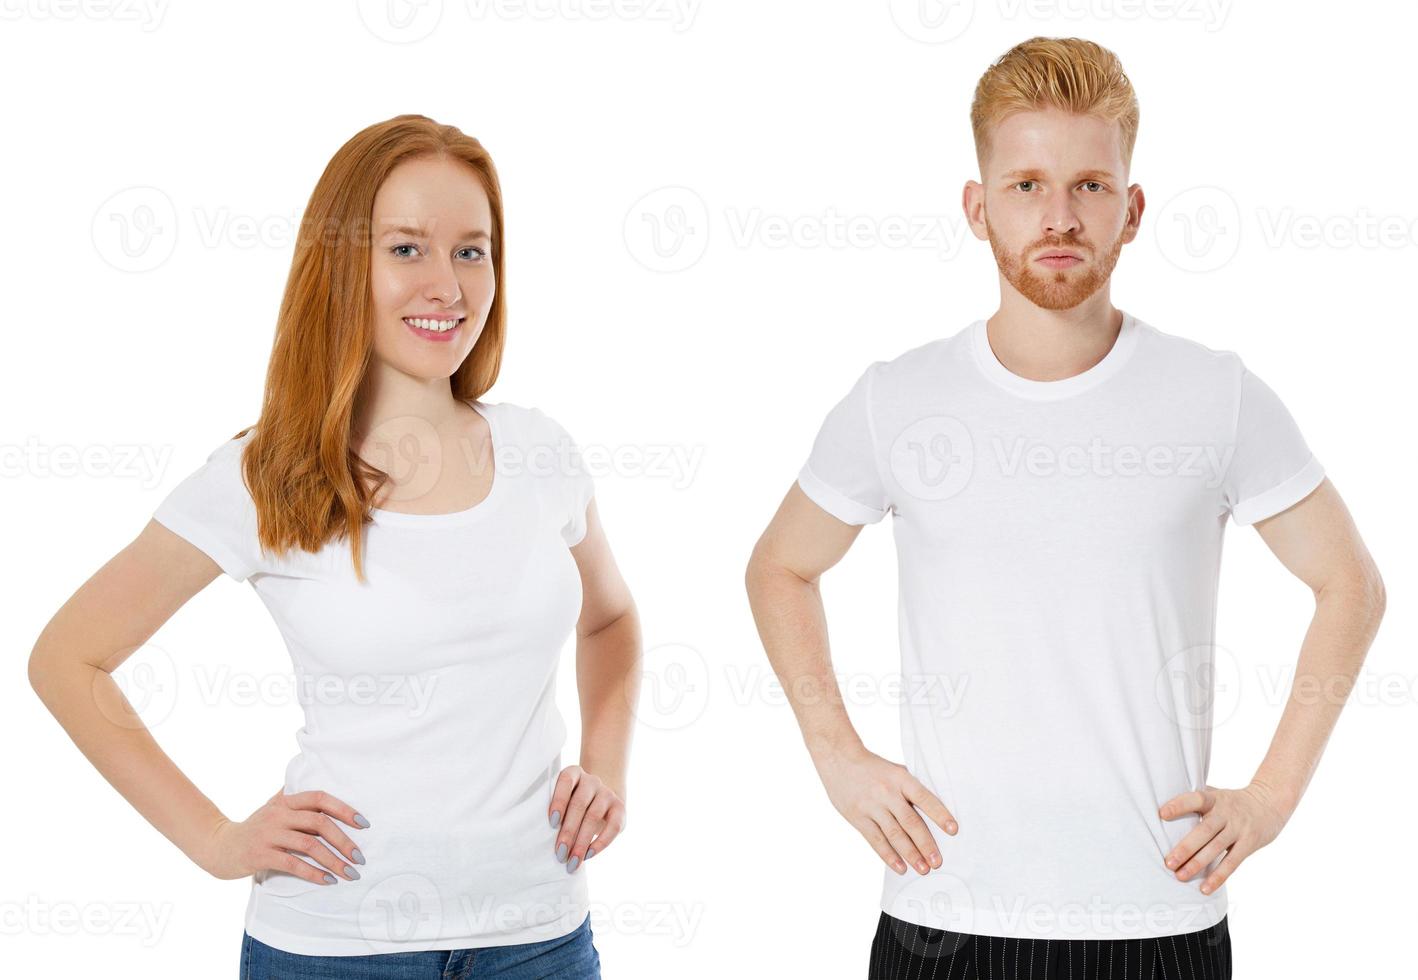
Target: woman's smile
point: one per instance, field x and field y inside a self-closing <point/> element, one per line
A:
<point x="434" y="328"/>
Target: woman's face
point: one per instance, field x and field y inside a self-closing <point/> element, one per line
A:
<point x="430" y="266"/>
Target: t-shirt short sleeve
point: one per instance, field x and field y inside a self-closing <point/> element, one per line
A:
<point x="842" y="474"/>
<point x="212" y="509"/>
<point x="575" y="486"/>
<point x="1271" y="466"/>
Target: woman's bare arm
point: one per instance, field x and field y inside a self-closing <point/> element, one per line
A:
<point x="111" y="615"/>
<point x="589" y="798"/>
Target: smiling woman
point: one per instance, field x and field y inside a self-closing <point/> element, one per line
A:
<point x="424" y="582"/>
<point x="431" y="268"/>
<point x="405" y="224"/>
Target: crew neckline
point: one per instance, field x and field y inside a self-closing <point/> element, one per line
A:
<point x="394" y="518"/>
<point x="991" y="367"/>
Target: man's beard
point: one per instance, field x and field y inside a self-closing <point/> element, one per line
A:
<point x="1054" y="289"/>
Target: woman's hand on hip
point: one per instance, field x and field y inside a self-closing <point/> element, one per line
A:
<point x="587" y="814"/>
<point x="285" y="826"/>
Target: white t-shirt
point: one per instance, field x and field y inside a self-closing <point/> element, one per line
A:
<point x="429" y="699"/>
<point x="1058" y="548"/>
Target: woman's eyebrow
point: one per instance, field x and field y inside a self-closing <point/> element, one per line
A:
<point x="421" y="233"/>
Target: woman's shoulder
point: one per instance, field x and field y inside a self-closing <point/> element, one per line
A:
<point x="224" y="462"/>
<point x="235" y="445"/>
<point x="526" y="423"/>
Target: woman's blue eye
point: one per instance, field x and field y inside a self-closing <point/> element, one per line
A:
<point x="402" y="255"/>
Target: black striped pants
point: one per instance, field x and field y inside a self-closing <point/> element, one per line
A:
<point x="911" y="952"/>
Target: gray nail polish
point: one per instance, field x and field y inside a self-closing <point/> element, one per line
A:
<point x="589" y="852"/>
<point x="571" y="865"/>
<point x="358" y="856"/>
<point x="360" y="821"/>
<point x="351" y="873"/>
<point x="555" y="819"/>
<point x="330" y="879"/>
<point x="561" y="850"/>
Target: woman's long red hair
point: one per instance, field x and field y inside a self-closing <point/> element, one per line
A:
<point x="308" y="484"/>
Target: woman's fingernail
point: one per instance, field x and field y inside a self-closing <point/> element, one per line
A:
<point x="952" y="828"/>
<point x="351" y="873"/>
<point x="589" y="852"/>
<point x="571" y="865"/>
<point x="360" y="821"/>
<point x="330" y="879"/>
<point x="555" y="819"/>
<point x="561" y="850"/>
<point x="358" y="855"/>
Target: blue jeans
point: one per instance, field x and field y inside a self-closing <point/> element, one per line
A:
<point x="569" y="957"/>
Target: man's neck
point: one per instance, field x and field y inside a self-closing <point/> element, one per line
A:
<point x="1050" y="345"/>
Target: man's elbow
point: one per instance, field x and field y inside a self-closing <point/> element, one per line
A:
<point x="1364" y="589"/>
<point x="1377" y="595"/>
<point x="763" y="569"/>
<point x="753" y="571"/>
<point x="1371" y="589"/>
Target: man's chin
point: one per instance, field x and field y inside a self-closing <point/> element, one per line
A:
<point x="1049" y="296"/>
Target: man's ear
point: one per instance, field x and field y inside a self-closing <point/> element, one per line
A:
<point x="972" y="204"/>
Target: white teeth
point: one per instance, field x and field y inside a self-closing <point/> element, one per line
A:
<point x="440" y="326"/>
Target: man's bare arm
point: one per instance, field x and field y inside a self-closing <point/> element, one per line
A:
<point x="1317" y="541"/>
<point x="801" y="542"/>
<point x="876" y="796"/>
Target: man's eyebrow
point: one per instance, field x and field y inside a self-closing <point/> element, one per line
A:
<point x="420" y="233"/>
<point x="1033" y="174"/>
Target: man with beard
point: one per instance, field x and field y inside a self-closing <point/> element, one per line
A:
<point x="1059" y="476"/>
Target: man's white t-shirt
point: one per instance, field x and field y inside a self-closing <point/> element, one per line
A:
<point x="429" y="699"/>
<point x="1058" y="548"/>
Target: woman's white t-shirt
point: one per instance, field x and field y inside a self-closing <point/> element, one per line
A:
<point x="1058" y="548"/>
<point x="429" y="698"/>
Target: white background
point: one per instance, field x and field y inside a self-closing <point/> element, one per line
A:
<point x="1282" y="222"/>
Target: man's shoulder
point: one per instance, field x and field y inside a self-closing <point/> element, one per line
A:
<point x="1179" y="353"/>
<point x="925" y="362"/>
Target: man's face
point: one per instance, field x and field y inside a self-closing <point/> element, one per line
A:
<point x="1054" y="182"/>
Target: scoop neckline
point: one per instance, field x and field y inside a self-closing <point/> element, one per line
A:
<point x="1112" y="361"/>
<point x="394" y="518"/>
